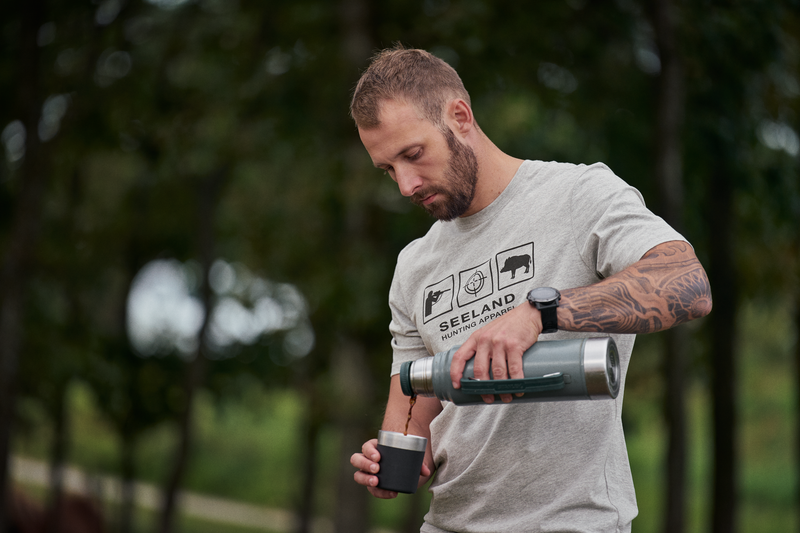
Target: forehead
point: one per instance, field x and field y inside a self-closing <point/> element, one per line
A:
<point x="401" y="124"/>
<point x="391" y="111"/>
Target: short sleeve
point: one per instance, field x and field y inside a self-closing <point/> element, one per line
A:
<point x="407" y="343"/>
<point x="611" y="225"/>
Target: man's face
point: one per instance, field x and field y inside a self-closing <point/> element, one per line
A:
<point x="435" y="170"/>
<point x="458" y="190"/>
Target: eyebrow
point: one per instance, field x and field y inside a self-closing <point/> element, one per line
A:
<point x="399" y="153"/>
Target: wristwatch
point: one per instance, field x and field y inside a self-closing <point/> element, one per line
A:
<point x="546" y="299"/>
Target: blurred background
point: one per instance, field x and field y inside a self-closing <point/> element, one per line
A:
<point x="196" y="252"/>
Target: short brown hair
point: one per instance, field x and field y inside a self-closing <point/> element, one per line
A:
<point x="413" y="75"/>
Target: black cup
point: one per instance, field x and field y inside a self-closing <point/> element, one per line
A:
<point x="401" y="461"/>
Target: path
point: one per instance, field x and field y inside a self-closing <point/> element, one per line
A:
<point x="148" y="496"/>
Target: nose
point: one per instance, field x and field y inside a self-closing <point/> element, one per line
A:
<point x="407" y="180"/>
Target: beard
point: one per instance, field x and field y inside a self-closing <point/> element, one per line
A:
<point x="461" y="177"/>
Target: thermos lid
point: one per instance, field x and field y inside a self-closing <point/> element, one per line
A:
<point x="394" y="439"/>
<point x="416" y="377"/>
<point x="405" y="379"/>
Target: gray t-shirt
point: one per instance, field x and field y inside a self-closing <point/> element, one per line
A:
<point x="533" y="467"/>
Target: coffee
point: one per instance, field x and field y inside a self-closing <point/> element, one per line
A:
<point x="411" y="402"/>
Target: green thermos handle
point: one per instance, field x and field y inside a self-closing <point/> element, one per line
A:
<point x="511" y="386"/>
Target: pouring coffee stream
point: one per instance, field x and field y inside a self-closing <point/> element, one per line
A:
<point x="411" y="402"/>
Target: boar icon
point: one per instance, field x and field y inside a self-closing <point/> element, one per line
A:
<point x="516" y="262"/>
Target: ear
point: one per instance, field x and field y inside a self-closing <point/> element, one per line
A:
<point x="459" y="115"/>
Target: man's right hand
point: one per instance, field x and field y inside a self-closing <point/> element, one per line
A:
<point x="367" y="463"/>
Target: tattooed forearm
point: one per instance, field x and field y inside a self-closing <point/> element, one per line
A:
<point x="667" y="287"/>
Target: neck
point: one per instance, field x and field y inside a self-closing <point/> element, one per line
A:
<point x="496" y="169"/>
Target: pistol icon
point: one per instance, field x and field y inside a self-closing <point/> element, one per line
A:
<point x="432" y="298"/>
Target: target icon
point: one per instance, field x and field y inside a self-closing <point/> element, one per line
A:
<point x="475" y="283"/>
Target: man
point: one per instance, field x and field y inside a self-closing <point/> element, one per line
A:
<point x="508" y="232"/>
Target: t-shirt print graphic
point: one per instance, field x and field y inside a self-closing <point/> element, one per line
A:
<point x="438" y="299"/>
<point x="475" y="284"/>
<point x="514" y="265"/>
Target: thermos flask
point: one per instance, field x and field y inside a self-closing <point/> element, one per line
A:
<point x="574" y="369"/>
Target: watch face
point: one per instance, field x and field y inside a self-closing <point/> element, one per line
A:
<point x="544" y="294"/>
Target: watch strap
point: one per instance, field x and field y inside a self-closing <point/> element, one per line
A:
<point x="549" y="317"/>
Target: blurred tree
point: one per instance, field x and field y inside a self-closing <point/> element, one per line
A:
<point x="208" y="192"/>
<point x="78" y="220"/>
<point x="721" y="139"/>
<point x="22" y="233"/>
<point x="668" y="173"/>
<point x="769" y="238"/>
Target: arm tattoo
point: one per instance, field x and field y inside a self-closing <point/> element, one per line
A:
<point x="667" y="287"/>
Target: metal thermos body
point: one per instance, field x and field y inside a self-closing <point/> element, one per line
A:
<point x="574" y="369"/>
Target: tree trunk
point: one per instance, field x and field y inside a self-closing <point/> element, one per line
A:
<point x="353" y="395"/>
<point x="194" y="377"/>
<point x="208" y="197"/>
<point x="58" y="457"/>
<point x="675" y="366"/>
<point x="128" y="468"/>
<point x="797" y="388"/>
<point x="669" y="178"/>
<point x="723" y="342"/>
<point x="313" y="425"/>
<point x="15" y="268"/>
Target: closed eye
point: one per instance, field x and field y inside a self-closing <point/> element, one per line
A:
<point x="388" y="170"/>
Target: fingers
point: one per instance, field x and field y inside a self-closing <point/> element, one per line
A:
<point x="370" y="450"/>
<point x="504" y="363"/>
<point x="516" y="370"/>
<point x="367" y="466"/>
<point x="363" y="464"/>
<point x="496" y="350"/>
<point x="460" y="358"/>
<point x="371" y="482"/>
<point x="425" y="470"/>
<point x="500" y="371"/>
<point x="483" y="366"/>
<point x="366" y="463"/>
<point x="383" y="494"/>
<point x="480" y="366"/>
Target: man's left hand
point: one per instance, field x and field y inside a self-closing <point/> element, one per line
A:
<point x="498" y="347"/>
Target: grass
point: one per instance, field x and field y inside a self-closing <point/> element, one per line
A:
<point x="248" y="449"/>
